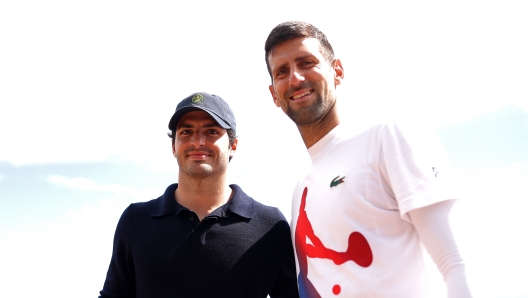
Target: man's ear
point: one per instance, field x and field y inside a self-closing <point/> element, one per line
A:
<point x="275" y="100"/>
<point x="233" y="148"/>
<point x="339" y="72"/>
<point x="173" y="148"/>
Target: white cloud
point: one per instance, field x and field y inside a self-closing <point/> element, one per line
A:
<point x="87" y="184"/>
<point x="84" y="184"/>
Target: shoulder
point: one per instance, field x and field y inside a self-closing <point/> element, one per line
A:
<point x="385" y="125"/>
<point x="135" y="212"/>
<point x="140" y="207"/>
<point x="360" y="132"/>
<point x="259" y="211"/>
<point x="271" y="221"/>
<point x="416" y="137"/>
<point x="406" y="128"/>
<point x="392" y="132"/>
<point x="269" y="211"/>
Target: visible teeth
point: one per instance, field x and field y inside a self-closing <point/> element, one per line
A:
<point x="301" y="95"/>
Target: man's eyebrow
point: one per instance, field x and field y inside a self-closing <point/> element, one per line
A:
<point x="183" y="125"/>
<point x="300" y="58"/>
<point x="296" y="59"/>
<point x="285" y="64"/>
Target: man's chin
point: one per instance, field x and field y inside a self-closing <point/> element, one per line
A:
<point x="202" y="170"/>
<point x="302" y="118"/>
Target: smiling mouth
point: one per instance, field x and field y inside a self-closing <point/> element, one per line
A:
<point x="200" y="154"/>
<point x="198" y="157"/>
<point x="302" y="94"/>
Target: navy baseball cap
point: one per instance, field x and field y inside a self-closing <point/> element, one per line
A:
<point x="214" y="105"/>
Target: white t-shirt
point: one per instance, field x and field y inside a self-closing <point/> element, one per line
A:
<point x="351" y="231"/>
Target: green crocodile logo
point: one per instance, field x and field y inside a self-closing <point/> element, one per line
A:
<point x="337" y="181"/>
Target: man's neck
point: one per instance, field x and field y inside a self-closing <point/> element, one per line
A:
<point x="313" y="132"/>
<point x="202" y="196"/>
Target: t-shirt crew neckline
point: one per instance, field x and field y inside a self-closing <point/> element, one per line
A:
<point x="317" y="151"/>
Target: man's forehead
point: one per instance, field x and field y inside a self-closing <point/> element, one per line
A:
<point x="298" y="46"/>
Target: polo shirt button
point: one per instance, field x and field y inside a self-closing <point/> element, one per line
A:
<point x="192" y="218"/>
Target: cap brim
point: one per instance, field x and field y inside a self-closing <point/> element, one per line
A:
<point x="183" y="110"/>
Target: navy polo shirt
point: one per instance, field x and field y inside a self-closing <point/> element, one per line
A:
<point x="161" y="249"/>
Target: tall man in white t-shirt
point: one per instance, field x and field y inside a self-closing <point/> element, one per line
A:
<point x="371" y="197"/>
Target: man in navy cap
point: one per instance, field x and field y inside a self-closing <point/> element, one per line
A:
<point x="202" y="237"/>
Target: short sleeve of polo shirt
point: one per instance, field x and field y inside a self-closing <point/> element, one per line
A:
<point x="415" y="164"/>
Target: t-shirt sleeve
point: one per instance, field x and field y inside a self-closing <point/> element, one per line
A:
<point x="415" y="165"/>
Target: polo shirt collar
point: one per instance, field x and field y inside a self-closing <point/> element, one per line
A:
<point x="240" y="203"/>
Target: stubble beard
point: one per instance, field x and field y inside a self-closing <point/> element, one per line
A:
<point x="309" y="114"/>
<point x="198" y="169"/>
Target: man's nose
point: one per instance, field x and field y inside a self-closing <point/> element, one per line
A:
<point x="198" y="140"/>
<point x="296" y="77"/>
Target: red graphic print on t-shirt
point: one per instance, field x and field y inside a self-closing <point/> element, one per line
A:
<point x="358" y="251"/>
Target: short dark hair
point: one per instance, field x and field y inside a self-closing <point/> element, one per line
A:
<point x="230" y="134"/>
<point x="292" y="29"/>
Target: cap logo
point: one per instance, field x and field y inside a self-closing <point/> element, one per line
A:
<point x="198" y="98"/>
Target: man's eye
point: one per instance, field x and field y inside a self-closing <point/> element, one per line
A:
<point x="185" y="132"/>
<point x="213" y="131"/>
<point x="281" y="72"/>
<point x="306" y="63"/>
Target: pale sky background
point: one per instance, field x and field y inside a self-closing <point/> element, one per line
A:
<point x="87" y="89"/>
